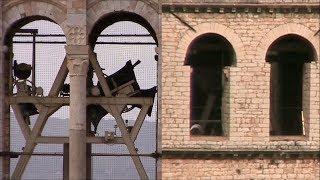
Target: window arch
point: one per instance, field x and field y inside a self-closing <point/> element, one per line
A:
<point x="208" y="56"/>
<point x="289" y="78"/>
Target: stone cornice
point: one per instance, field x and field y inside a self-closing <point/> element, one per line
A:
<point x="11" y="3"/>
<point x="241" y="7"/>
<point x="242" y="154"/>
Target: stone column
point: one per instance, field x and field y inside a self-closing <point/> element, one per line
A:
<point x="66" y="161"/>
<point x="275" y="86"/>
<point x="4" y="108"/>
<point x="77" y="54"/>
<point x="78" y="67"/>
<point x="1" y="95"/>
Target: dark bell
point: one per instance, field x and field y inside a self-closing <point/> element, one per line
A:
<point x="65" y="91"/>
<point x="196" y="129"/>
<point x="22" y="70"/>
<point x="121" y="77"/>
<point x="129" y="128"/>
<point x="28" y="109"/>
<point x="94" y="114"/>
<point x="146" y="93"/>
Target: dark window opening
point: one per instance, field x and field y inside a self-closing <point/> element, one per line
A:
<point x="287" y="57"/>
<point x="208" y="55"/>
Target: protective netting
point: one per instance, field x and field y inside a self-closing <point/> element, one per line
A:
<point x="113" y="51"/>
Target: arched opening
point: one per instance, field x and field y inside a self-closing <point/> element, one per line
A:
<point x="36" y="52"/>
<point x="125" y="43"/>
<point x="208" y="55"/>
<point x="289" y="56"/>
<point x="112" y="18"/>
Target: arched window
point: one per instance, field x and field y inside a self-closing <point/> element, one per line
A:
<point x="208" y="55"/>
<point x="288" y="56"/>
<point x="126" y="48"/>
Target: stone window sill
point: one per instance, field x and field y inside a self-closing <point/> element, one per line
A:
<point x="288" y="138"/>
<point x="208" y="138"/>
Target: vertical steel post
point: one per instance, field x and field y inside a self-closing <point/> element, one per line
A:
<point x="66" y="161"/>
<point x="34" y="63"/>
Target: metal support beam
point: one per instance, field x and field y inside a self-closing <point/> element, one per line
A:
<point x="44" y="113"/>
<point x="78" y="142"/>
<point x="63" y="101"/>
<point x="66" y="161"/>
<point x="92" y="140"/>
<point x="99" y="73"/>
<point x="138" y="123"/>
<point x="60" y="78"/>
<point x="127" y="140"/>
<point x="25" y="129"/>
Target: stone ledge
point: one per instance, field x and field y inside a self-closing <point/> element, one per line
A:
<point x="209" y="138"/>
<point x="239" y="154"/>
<point x="288" y="138"/>
<point x="242" y="8"/>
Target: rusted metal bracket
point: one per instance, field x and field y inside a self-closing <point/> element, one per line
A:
<point x="318" y="32"/>
<point x="183" y="21"/>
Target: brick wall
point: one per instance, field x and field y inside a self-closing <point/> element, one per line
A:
<point x="59" y="11"/>
<point x="237" y="1"/>
<point x="246" y="100"/>
<point x="4" y="124"/>
<point x="1" y="94"/>
<point x="240" y="169"/>
<point x="250" y="35"/>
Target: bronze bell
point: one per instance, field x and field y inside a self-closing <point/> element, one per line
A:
<point x="123" y="76"/>
<point x="94" y="114"/>
<point x="28" y="109"/>
<point x="22" y="70"/>
<point x="146" y="93"/>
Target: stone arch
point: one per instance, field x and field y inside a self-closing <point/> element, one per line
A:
<point x="286" y="29"/>
<point x="235" y="44"/>
<point x="148" y="11"/>
<point x="19" y="13"/>
<point x="212" y="27"/>
<point x="309" y="37"/>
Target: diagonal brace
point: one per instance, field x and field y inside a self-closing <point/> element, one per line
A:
<point x="23" y="125"/>
<point x="114" y="110"/>
<point x="31" y="141"/>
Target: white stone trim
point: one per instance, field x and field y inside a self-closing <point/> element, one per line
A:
<point x="23" y="10"/>
<point x="99" y="9"/>
<point x="286" y="29"/>
<point x="212" y="27"/>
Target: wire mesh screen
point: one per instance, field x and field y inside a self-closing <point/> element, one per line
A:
<point x="48" y="56"/>
<point x="118" y="43"/>
<point x="121" y="168"/>
<point x="112" y="57"/>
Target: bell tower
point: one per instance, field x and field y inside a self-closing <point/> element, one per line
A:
<point x="81" y="85"/>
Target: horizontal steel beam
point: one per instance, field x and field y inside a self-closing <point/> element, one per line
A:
<point x="92" y="140"/>
<point x="53" y="101"/>
<point x="109" y="42"/>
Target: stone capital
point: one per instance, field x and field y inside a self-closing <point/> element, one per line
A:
<point x="78" y="65"/>
<point x="77" y="49"/>
<point x="78" y="59"/>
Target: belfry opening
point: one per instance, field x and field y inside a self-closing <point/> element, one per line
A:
<point x="126" y="48"/>
<point x="123" y="62"/>
<point x="289" y="56"/>
<point x="208" y="56"/>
